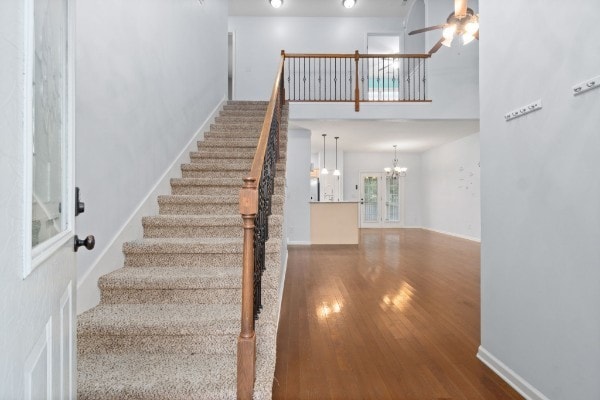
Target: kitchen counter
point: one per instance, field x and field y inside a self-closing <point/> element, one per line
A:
<point x="334" y="222"/>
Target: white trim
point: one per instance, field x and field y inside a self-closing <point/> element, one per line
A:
<point x="472" y="238"/>
<point x="28" y="39"/>
<point x="34" y="257"/>
<point x="44" y="342"/>
<point x="66" y="314"/>
<point x="509" y="376"/>
<point x="298" y="243"/>
<point x="283" y="271"/>
<point x="88" y="294"/>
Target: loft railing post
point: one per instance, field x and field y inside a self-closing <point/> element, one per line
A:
<point x="282" y="81"/>
<point x="246" y="347"/>
<point x="356" y="91"/>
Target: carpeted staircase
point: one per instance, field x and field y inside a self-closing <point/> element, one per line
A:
<point x="167" y="323"/>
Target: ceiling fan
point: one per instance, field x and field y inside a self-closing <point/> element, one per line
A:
<point x="462" y="22"/>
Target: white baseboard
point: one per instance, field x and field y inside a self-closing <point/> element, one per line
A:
<point x="111" y="259"/>
<point x="509" y="376"/>
<point x="472" y="238"/>
<point x="282" y="285"/>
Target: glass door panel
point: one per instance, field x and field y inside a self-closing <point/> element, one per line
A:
<point x="370" y="203"/>
<point x="49" y="119"/>
<point x="392" y="204"/>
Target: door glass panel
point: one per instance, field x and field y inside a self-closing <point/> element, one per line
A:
<point x="392" y="189"/>
<point x="49" y="120"/>
<point x="371" y="200"/>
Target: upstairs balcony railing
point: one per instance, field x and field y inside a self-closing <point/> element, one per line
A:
<point x="356" y="78"/>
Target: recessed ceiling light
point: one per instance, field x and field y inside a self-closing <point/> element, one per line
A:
<point x="349" y="3"/>
<point x="276" y="3"/>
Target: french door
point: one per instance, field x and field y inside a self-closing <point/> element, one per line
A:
<point x="381" y="201"/>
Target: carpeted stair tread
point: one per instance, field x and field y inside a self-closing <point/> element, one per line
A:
<point x="211" y="245"/>
<point x="172" y="278"/>
<point x="192" y="220"/>
<point x="235" y="182"/>
<point x="157" y="376"/>
<point x="200" y="220"/>
<point x="202" y="204"/>
<point x="209" y="165"/>
<point x="160" y="319"/>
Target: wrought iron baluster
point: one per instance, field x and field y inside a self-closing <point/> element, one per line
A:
<point x="304" y="77"/>
<point x="424" y="79"/>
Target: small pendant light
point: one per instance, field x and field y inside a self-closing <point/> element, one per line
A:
<point x="324" y="170"/>
<point x="337" y="171"/>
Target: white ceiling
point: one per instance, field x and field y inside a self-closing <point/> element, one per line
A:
<point x="411" y="136"/>
<point x="320" y="8"/>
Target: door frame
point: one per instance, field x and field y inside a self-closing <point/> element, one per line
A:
<point x="32" y="258"/>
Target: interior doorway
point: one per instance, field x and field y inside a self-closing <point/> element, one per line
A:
<point x="230" y="64"/>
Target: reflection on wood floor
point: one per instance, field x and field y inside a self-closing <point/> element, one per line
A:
<point x="396" y="317"/>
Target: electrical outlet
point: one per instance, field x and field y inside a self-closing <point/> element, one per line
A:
<point x="587" y="85"/>
<point x="519" y="112"/>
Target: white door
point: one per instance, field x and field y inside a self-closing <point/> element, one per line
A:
<point x="47" y="353"/>
<point x="382" y="200"/>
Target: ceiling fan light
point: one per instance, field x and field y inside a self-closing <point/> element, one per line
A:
<point x="467" y="38"/>
<point x="276" y="3"/>
<point x="472" y="27"/>
<point x="448" y="32"/>
<point x="349" y="3"/>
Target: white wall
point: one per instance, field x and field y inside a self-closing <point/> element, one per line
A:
<point x="540" y="198"/>
<point x="12" y="202"/>
<point x="452" y="74"/>
<point x="297" y="213"/>
<point x="415" y="44"/>
<point x="354" y="163"/>
<point x="450" y="188"/>
<point x="148" y="75"/>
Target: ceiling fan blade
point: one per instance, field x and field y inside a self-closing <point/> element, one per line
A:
<point x="460" y="8"/>
<point x="429" y="28"/>
<point x="437" y="46"/>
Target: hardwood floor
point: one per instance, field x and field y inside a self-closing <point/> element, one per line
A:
<point x="396" y="317"/>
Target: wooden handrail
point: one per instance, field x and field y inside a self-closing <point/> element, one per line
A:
<point x="352" y="55"/>
<point x="249" y="208"/>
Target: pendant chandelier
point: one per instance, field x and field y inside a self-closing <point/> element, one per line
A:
<point x="395" y="171"/>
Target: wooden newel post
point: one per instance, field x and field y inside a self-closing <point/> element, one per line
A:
<point x="356" y="91"/>
<point x="246" y="349"/>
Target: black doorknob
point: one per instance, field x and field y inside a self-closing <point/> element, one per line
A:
<point x="89" y="242"/>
